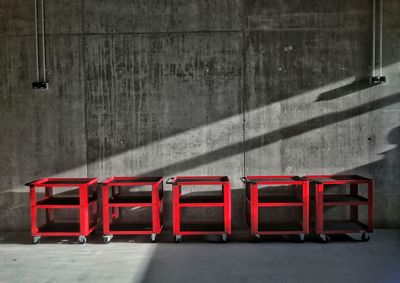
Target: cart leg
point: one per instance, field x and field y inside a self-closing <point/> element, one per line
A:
<point x="153" y="238"/>
<point x="106" y="211"/>
<point x="306" y="207"/>
<point x="371" y="206"/>
<point x="84" y="211"/>
<point x="254" y="208"/>
<point x="301" y="238"/>
<point x="224" y="238"/>
<point x="354" y="208"/>
<point x="227" y="208"/>
<point x="176" y="209"/>
<point x="34" y="228"/>
<point x="319" y="208"/>
<point x="115" y="210"/>
<point x="49" y="211"/>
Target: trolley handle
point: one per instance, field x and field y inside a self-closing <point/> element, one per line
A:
<point x="32" y="182"/>
<point x="170" y="180"/>
<point x="299" y="178"/>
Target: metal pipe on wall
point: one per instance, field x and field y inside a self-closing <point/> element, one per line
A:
<point x="43" y="45"/>
<point x="41" y="81"/>
<point x="37" y="42"/>
<point x="381" y="39"/>
<point x="373" y="37"/>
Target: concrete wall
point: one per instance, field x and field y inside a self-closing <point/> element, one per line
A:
<point x="221" y="87"/>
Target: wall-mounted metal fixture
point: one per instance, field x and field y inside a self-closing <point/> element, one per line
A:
<point x="41" y="76"/>
<point x="377" y="77"/>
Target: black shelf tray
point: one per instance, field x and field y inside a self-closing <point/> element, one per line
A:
<point x="348" y="225"/>
<point x="278" y="199"/>
<point x="201" y="199"/>
<point x="131" y="199"/>
<point x="204" y="226"/>
<point x="344" y="198"/>
<point x="63" y="201"/>
<point x="279" y="226"/>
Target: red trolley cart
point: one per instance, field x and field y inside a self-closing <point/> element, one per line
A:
<point x="87" y="198"/>
<point x="180" y="201"/>
<point x="324" y="227"/>
<point x="299" y="196"/>
<point x="154" y="200"/>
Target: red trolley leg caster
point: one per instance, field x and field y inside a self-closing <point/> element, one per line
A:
<point x="82" y="239"/>
<point x="36" y="240"/>
<point x="224" y="238"/>
<point x="178" y="239"/>
<point x="107" y="238"/>
<point x="153" y="238"/>
<point x="365" y="237"/>
<point x="324" y="238"/>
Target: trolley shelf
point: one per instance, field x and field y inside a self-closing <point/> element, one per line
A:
<point x="204" y="226"/>
<point x="62" y="202"/>
<point x="118" y="225"/>
<point x="130" y="201"/>
<point x="344" y="200"/>
<point x="278" y="227"/>
<point x="210" y="200"/>
<point x="279" y="200"/>
<point x="62" y="226"/>
<point x="338" y="226"/>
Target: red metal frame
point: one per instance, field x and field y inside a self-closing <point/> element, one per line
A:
<point x="253" y="202"/>
<point x="353" y="200"/>
<point x="177" y="204"/>
<point x="156" y="202"/>
<point x="50" y="202"/>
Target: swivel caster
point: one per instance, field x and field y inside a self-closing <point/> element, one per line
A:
<point x="301" y="238"/>
<point x="365" y="237"/>
<point x="82" y="239"/>
<point x="36" y="240"/>
<point x="178" y="239"/>
<point x="324" y="238"/>
<point x="224" y="238"/>
<point x="257" y="238"/>
<point x="107" y="238"/>
<point x="153" y="238"/>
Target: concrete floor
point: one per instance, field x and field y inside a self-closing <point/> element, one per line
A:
<point x="135" y="259"/>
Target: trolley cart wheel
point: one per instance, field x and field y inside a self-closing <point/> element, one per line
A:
<point x="257" y="238"/>
<point x="224" y="238"/>
<point x="325" y="238"/>
<point x="178" y="239"/>
<point x="36" y="240"/>
<point x="82" y="239"/>
<point x="365" y="237"/>
<point x="153" y="238"/>
<point x="302" y="237"/>
<point x="107" y="238"/>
